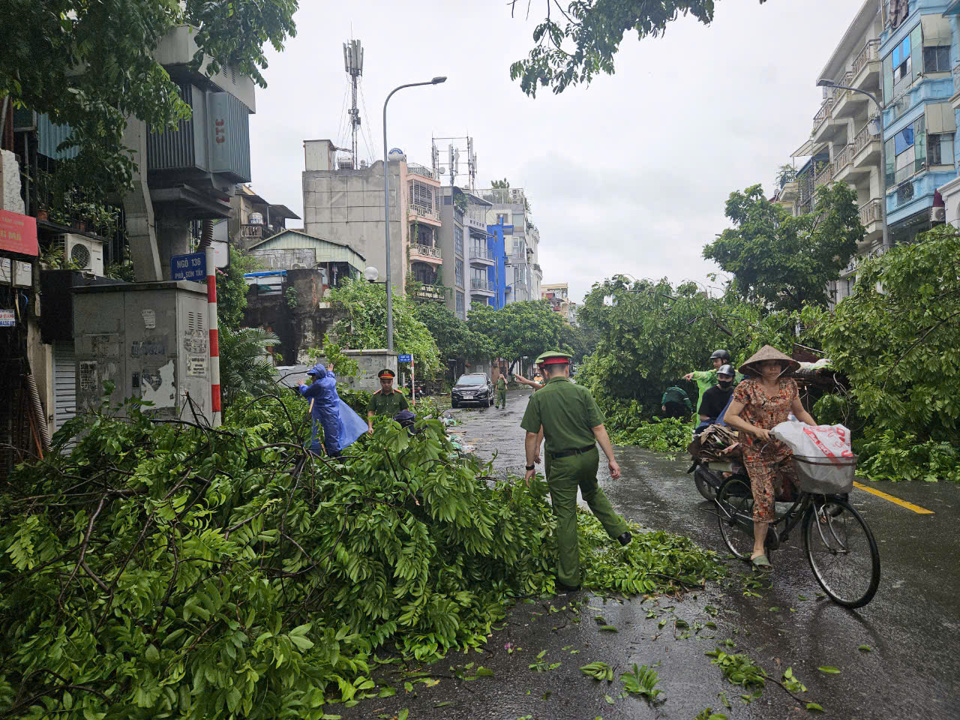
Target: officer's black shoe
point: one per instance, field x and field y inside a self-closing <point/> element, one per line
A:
<point x="563" y="587"/>
<point x="625" y="538"/>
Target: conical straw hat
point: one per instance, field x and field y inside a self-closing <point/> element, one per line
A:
<point x="768" y="352"/>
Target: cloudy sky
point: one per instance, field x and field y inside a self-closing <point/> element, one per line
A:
<point x="628" y="175"/>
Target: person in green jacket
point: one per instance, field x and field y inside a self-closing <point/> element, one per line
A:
<point x="572" y="426"/>
<point x="675" y="403"/>
<point x="706" y="379"/>
<point x="501" y="392"/>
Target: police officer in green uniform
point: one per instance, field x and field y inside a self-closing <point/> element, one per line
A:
<point x="387" y="401"/>
<point x="502" y="392"/>
<point x="572" y="425"/>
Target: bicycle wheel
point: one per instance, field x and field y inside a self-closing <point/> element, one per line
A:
<point x="735" y="516"/>
<point x="842" y="552"/>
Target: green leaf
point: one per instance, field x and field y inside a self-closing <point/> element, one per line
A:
<point x="814" y="707"/>
<point x="865" y="648"/>
<point x="829" y="670"/>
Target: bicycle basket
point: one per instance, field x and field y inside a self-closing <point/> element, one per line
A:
<point x="825" y="476"/>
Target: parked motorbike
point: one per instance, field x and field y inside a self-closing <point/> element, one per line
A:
<point x="710" y="467"/>
<point x="709" y="476"/>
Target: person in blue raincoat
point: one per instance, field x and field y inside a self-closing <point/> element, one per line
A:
<point x="324" y="409"/>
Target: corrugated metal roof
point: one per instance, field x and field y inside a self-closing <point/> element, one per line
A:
<point x="326" y="250"/>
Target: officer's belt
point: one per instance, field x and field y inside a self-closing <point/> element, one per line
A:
<point x="568" y="453"/>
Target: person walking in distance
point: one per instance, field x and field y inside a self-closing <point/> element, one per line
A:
<point x="572" y="426"/>
<point x="502" y="392"/>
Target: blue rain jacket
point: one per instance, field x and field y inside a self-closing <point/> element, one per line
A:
<point x="325" y="410"/>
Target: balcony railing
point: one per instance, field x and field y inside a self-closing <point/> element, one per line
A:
<point x="825" y="176"/>
<point x="863" y="138"/>
<point x="420" y="170"/>
<point x="254" y="232"/>
<point x="824" y="112"/>
<point x="482" y="285"/>
<point x="844" y="158"/>
<point x="871" y="212"/>
<point x="426" y="251"/>
<point x="480" y="254"/>
<point x="425" y="211"/>
<point x="870" y="52"/>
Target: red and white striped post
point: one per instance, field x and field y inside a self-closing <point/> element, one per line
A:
<point x="214" y="337"/>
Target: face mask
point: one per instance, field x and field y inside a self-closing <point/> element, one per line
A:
<point x="725" y="383"/>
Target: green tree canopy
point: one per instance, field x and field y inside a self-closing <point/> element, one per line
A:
<point x="363" y="323"/>
<point x="91" y="64"/>
<point x="649" y="334"/>
<point x="782" y="261"/>
<point x="898" y="338"/>
<point x="453" y="336"/>
<point x="574" y="45"/>
<point x="520" y="329"/>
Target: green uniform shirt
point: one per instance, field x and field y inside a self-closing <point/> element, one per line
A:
<point x="387" y="405"/>
<point x="501" y="384"/>
<point x="567" y="412"/>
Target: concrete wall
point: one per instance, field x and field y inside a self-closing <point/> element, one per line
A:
<point x="447" y="237"/>
<point x="347" y="206"/>
<point x="370" y="363"/>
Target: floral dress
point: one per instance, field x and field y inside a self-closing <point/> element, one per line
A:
<point x="766" y="459"/>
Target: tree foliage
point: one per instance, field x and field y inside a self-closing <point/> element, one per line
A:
<point x="363" y="323"/>
<point x="453" y="336"/>
<point x="897" y="339"/>
<point x="572" y="46"/>
<point x="784" y="261"/>
<point x="520" y="329"/>
<point x="166" y="570"/>
<point x="649" y="334"/>
<point x="90" y="65"/>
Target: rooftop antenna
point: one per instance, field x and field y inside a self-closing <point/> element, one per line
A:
<point x="353" y="64"/>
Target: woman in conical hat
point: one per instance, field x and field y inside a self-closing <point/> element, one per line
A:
<point x="761" y="402"/>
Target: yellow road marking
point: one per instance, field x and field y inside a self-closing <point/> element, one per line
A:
<point x="896" y="501"/>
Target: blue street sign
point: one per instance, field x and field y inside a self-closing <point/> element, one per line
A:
<point x="404" y="358"/>
<point x="189" y="267"/>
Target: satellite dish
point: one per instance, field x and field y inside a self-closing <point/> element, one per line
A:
<point x="443" y="171"/>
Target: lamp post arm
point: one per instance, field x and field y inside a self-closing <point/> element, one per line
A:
<point x="386" y="207"/>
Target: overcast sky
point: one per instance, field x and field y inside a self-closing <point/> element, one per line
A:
<point x="628" y="175"/>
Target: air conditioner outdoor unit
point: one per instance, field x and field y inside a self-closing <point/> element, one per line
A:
<point x="938" y="214"/>
<point x="84" y="252"/>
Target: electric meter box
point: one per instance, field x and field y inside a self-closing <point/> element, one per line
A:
<point x="151" y="340"/>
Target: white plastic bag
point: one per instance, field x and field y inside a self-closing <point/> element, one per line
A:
<point x="818" y="441"/>
<point x="822" y="455"/>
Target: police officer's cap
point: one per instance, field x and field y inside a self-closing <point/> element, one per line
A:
<point x="386" y="373"/>
<point x="554" y="358"/>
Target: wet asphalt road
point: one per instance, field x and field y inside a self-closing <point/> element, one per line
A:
<point x="912" y="627"/>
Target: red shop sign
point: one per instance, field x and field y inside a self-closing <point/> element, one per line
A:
<point x="18" y="233"/>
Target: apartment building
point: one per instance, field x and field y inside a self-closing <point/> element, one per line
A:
<point x="453" y="248"/>
<point x="345" y="204"/>
<point x="558" y="295"/>
<point x="903" y="54"/>
<point x="510" y="210"/>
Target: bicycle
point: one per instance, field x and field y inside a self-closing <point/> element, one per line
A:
<point x="837" y="540"/>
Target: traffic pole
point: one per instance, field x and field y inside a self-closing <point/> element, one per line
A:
<point x="214" y="337"/>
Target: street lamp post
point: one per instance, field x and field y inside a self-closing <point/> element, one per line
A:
<point x="823" y="82"/>
<point x="386" y="203"/>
